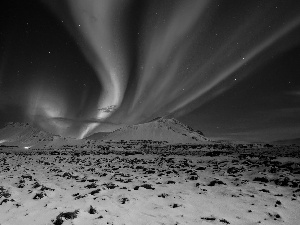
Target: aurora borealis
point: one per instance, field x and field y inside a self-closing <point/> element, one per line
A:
<point x="228" y="68"/>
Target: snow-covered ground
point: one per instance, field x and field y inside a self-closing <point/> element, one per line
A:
<point x="252" y="188"/>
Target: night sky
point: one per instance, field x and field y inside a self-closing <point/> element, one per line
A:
<point x="228" y="68"/>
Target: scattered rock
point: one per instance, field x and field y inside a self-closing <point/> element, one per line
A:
<point x="36" y="185"/>
<point x="261" y="179"/>
<point x="224" y="221"/>
<point x="232" y="170"/>
<point x="277" y="203"/>
<point x="92" y="185"/>
<point x="171" y="182"/>
<point x="264" y="190"/>
<point x="211" y="218"/>
<point x="4" y="193"/>
<point x="44" y="188"/>
<point x="123" y="200"/>
<point x="110" y="185"/>
<point x="201" y="168"/>
<point x="214" y="182"/>
<point x="163" y="195"/>
<point x="40" y="195"/>
<point x="275" y="216"/>
<point x="27" y="176"/>
<point x="95" y="191"/>
<point x="147" y="186"/>
<point x="78" y="196"/>
<point x="6" y="200"/>
<point x="65" y="216"/>
<point x="92" y="210"/>
<point x="175" y="205"/>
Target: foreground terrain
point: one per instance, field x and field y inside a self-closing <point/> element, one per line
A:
<point x="237" y="185"/>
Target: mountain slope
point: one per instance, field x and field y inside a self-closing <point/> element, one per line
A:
<point x="169" y="130"/>
<point x="23" y="133"/>
<point x="295" y="141"/>
<point x="28" y="136"/>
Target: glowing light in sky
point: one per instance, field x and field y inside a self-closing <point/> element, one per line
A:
<point x="183" y="54"/>
<point x="103" y="49"/>
<point x="48" y="104"/>
<point x="161" y="43"/>
<point x="230" y="70"/>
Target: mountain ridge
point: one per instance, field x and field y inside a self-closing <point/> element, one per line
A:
<point x="160" y="129"/>
<point x="169" y="131"/>
<point x="23" y="133"/>
<point x="295" y="141"/>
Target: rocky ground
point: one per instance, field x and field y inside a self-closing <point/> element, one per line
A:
<point x="240" y="186"/>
